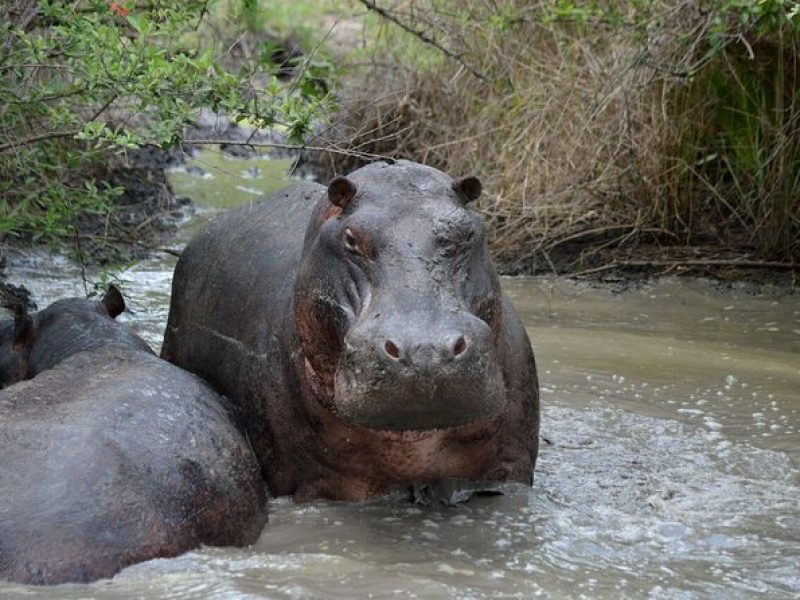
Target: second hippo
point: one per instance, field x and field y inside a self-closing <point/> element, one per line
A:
<point x="109" y="455"/>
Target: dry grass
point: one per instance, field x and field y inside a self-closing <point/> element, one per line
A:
<point x="588" y="137"/>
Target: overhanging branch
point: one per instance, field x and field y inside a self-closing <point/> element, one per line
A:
<point x="423" y="37"/>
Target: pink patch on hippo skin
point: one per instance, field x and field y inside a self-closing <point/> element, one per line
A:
<point x="333" y="211"/>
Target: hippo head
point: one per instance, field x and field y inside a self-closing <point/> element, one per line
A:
<point x="397" y="304"/>
<point x="32" y="343"/>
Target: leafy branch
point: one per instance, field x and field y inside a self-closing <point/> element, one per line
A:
<point x="82" y="81"/>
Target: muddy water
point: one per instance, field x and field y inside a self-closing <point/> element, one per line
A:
<point x="670" y="464"/>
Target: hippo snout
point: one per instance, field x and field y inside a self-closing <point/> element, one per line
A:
<point x="416" y="374"/>
<point x="428" y="354"/>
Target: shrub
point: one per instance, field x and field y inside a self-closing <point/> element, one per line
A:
<point x="81" y="82"/>
<point x="663" y="121"/>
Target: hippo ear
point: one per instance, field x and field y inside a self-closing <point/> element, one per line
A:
<point x="113" y="302"/>
<point x="24" y="327"/>
<point x="341" y="190"/>
<point x="468" y="188"/>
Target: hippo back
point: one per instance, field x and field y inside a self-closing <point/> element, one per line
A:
<point x="33" y="343"/>
<point x="231" y="298"/>
<point x="73" y="325"/>
<point x="115" y="457"/>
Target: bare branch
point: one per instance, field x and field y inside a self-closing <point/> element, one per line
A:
<point x="50" y="135"/>
<point x="744" y="264"/>
<point x="279" y="146"/>
<point x="423" y="37"/>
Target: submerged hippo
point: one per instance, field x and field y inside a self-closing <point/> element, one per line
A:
<point x="33" y="343"/>
<point x="362" y="331"/>
<point x="111" y="455"/>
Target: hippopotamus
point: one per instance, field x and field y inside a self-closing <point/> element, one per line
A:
<point x="109" y="455"/>
<point x="362" y="331"/>
<point x="33" y="343"/>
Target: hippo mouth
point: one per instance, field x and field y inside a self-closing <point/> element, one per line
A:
<point x="411" y="413"/>
<point x="415" y="404"/>
<point x="478" y="429"/>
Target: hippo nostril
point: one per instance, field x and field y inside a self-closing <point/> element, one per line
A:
<point x="392" y="350"/>
<point x="460" y="346"/>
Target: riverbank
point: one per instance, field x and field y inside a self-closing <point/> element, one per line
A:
<point x="150" y="211"/>
<point x="634" y="140"/>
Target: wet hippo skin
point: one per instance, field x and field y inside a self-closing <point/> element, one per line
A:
<point x="114" y="456"/>
<point x="34" y="342"/>
<point x="361" y="330"/>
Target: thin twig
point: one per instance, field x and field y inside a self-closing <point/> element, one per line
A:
<point x="423" y="37"/>
<point x="50" y="135"/>
<point x="746" y="264"/>
<point x="203" y="12"/>
<point x="279" y="146"/>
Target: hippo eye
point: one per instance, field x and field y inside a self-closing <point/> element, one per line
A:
<point x="350" y="242"/>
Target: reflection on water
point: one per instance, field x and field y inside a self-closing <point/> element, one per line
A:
<point x="670" y="466"/>
<point x="215" y="181"/>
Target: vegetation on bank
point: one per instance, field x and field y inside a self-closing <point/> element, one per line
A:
<point x="85" y="84"/>
<point x="662" y="132"/>
<point x="599" y="127"/>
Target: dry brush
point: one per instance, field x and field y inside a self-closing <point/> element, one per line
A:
<point x="602" y="134"/>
